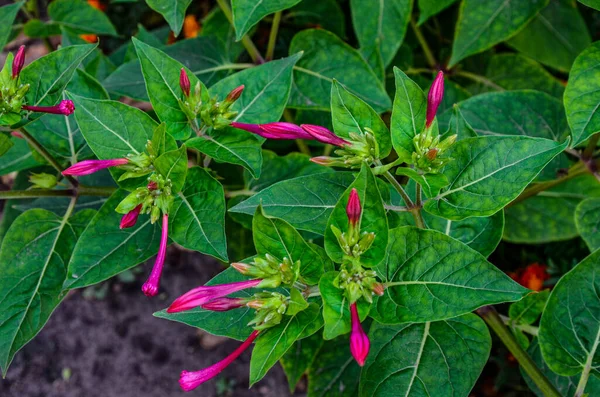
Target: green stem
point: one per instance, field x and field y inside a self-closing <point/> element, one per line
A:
<point x="414" y="210"/>
<point x="273" y="36"/>
<point x="418" y="201"/>
<point x="530" y="329"/>
<point x="242" y="192"/>
<point x="479" y="79"/>
<point x="246" y="41"/>
<point x="44" y="153"/>
<point x="589" y="150"/>
<point x="103" y="191"/>
<point x="79" y="191"/>
<point x="493" y="320"/>
<point x="426" y="50"/>
<point x="575" y="171"/>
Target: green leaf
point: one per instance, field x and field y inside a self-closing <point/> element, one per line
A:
<point x="457" y="125"/>
<point x="431" y="183"/>
<point x="408" y="114"/>
<point x="297" y="302"/>
<point x="566" y="386"/>
<point x="104" y="250"/>
<point x="233" y="146"/>
<point x="569" y="334"/>
<point x="372" y="220"/>
<point x="483" y="234"/>
<point x="216" y="26"/>
<point x="204" y="56"/>
<point x="113" y="130"/>
<point x="434" y="277"/>
<point x="232" y="324"/>
<point x="273" y="343"/>
<point x="50" y="74"/>
<point x="336" y="307"/>
<point x="278" y="238"/>
<point x="555" y="36"/>
<point x="325" y="13"/>
<point x="591" y="3"/>
<point x="36" y="29"/>
<point x="33" y="261"/>
<point x="481" y="25"/>
<point x="18" y="157"/>
<point x="382" y="23"/>
<point x="582" y="96"/>
<point x="172" y="11"/>
<point x="443" y="358"/>
<point x="351" y="114"/>
<point x="5" y="144"/>
<point x="300" y="357"/>
<point x="429" y="8"/>
<point x="489" y="172"/>
<point x="247" y="13"/>
<point x="528" y="309"/>
<point x="304" y="202"/>
<point x="517" y="72"/>
<point x="587" y="219"/>
<point x="161" y="142"/>
<point x="266" y="90"/>
<point x="198" y="215"/>
<point x="161" y="74"/>
<point x="334" y="373"/>
<point x="325" y="58"/>
<point x="173" y="165"/>
<point x="548" y="216"/>
<point x="8" y="13"/>
<point x="80" y="17"/>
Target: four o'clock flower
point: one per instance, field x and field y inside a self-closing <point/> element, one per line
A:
<point x="65" y="108"/>
<point x="202" y="295"/>
<point x="184" y="82"/>
<point x="87" y="167"/>
<point x="359" y="341"/>
<point x="150" y="287"/>
<point x="18" y="62"/>
<point x="224" y="304"/>
<point x="190" y="380"/>
<point x="434" y="98"/>
<point x="283" y="130"/>
<point x="353" y="208"/>
<point x="130" y="218"/>
<point x="322" y="134"/>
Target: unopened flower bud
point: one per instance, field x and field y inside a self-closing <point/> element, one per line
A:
<point x="42" y="181"/>
<point x="65" y="108"/>
<point x="18" y="62"/>
<point x="378" y="289"/>
<point x="130" y="218"/>
<point x="223" y="304"/>
<point x="432" y="154"/>
<point x="353" y="209"/>
<point x="87" y="167"/>
<point x="359" y="341"/>
<point x="152" y="185"/>
<point x="184" y="82"/>
<point x="235" y="94"/>
<point x="434" y="98"/>
<point x="322" y="134"/>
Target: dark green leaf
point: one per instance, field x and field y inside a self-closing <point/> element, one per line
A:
<point x="569" y="334"/>
<point x="172" y="11"/>
<point x="325" y="58"/>
<point x="18" y="157"/>
<point x="483" y="24"/>
<point x="434" y="277"/>
<point x="198" y="215"/>
<point x="528" y="309"/>
<point x="8" y="14"/>
<point x="173" y="166"/>
<point x="408" y="114"/>
<point x="325" y="13"/>
<point x="587" y="219"/>
<point x="80" y="17"/>
<point x="443" y="358"/>
<point x="429" y="8"/>
<point x="300" y="357"/>
<point x="247" y="13"/>
<point x="104" y="250"/>
<point x="431" y="183"/>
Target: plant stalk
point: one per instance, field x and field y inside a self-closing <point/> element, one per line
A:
<point x="273" y="36"/>
<point x="493" y="320"/>
<point x="246" y="41"/>
<point x="479" y="79"/>
<point x="102" y="191"/>
<point x="412" y="208"/>
<point x="426" y="50"/>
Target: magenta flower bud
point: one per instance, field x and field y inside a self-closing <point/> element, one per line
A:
<point x="359" y="341"/>
<point x="150" y="287"/>
<point x="353" y="209"/>
<point x="322" y="134"/>
<point x="152" y="185"/>
<point x="65" y="108"/>
<point x="253" y="128"/>
<point x="87" y="167"/>
<point x="130" y="218"/>
<point x="18" y="62"/>
<point x="17" y="134"/>
<point x="184" y="82"/>
<point x="235" y="94"/>
<point x="434" y="98"/>
<point x="202" y="295"/>
<point x="241" y="267"/>
<point x="224" y="304"/>
<point x="191" y="380"/>
<point x="283" y="130"/>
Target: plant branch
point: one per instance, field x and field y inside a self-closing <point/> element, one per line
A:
<point x="493" y="320"/>
<point x="44" y="153"/>
<point x="103" y="191"/>
<point x="410" y="206"/>
<point x="246" y="41"/>
<point x="479" y="79"/>
<point x="273" y="36"/>
<point x="426" y="50"/>
<point x="530" y="329"/>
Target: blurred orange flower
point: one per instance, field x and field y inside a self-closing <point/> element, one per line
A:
<point x="191" y="27"/>
<point x="90" y="38"/>
<point x="532" y="277"/>
<point x="97" y="4"/>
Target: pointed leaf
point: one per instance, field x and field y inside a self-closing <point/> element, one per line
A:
<point x="247" y="13"/>
<point x="408" y="114"/>
<point x="172" y="11"/>
<point x="80" y="17"/>
<point x="587" y="219"/>
<point x="173" y="166"/>
<point x="300" y="357"/>
<point x="8" y="13"/>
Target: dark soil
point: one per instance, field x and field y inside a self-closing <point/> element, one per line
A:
<point x="114" y="346"/>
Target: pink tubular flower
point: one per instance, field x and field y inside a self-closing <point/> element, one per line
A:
<point x="353" y="209"/>
<point x="434" y="98"/>
<point x="184" y="82"/>
<point x="130" y="218"/>
<point x="283" y="130"/>
<point x="191" y="380"/>
<point x="150" y="287"/>
<point x="18" y="62"/>
<point x="322" y="134"/>
<point x="359" y="341"/>
<point x="65" y="108"/>
<point x="87" y="167"/>
<point x="224" y="304"/>
<point x="202" y="295"/>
